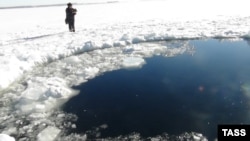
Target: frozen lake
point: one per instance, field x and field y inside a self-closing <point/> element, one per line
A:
<point x="169" y="44"/>
<point x="191" y="92"/>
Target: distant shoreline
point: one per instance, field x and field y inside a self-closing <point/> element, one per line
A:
<point x="53" y="5"/>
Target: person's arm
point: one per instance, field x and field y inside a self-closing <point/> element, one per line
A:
<point x="67" y="13"/>
<point x="66" y="19"/>
<point x="74" y="11"/>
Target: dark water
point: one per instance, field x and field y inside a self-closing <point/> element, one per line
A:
<point x="174" y="95"/>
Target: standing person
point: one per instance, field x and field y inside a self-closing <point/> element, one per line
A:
<point x="70" y="17"/>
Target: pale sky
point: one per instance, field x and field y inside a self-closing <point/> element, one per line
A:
<point x="210" y="3"/>
<point x="7" y="3"/>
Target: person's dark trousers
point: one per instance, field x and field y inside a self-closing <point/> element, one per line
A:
<point x="72" y="26"/>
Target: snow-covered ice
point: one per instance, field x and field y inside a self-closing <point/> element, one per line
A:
<point x="40" y="60"/>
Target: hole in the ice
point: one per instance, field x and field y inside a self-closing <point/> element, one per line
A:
<point x="185" y="93"/>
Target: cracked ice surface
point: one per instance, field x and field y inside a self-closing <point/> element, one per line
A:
<point x="33" y="104"/>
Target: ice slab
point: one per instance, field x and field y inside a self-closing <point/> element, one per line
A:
<point x="42" y="94"/>
<point x="133" y="62"/>
<point x="48" y="134"/>
<point x="4" y="137"/>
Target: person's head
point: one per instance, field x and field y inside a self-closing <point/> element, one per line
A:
<point x="69" y="4"/>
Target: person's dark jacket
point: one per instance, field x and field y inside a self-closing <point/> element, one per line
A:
<point x="70" y="15"/>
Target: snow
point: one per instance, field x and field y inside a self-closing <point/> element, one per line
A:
<point x="40" y="60"/>
<point x="43" y="38"/>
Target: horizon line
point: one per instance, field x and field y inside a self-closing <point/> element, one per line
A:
<point x="52" y="5"/>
